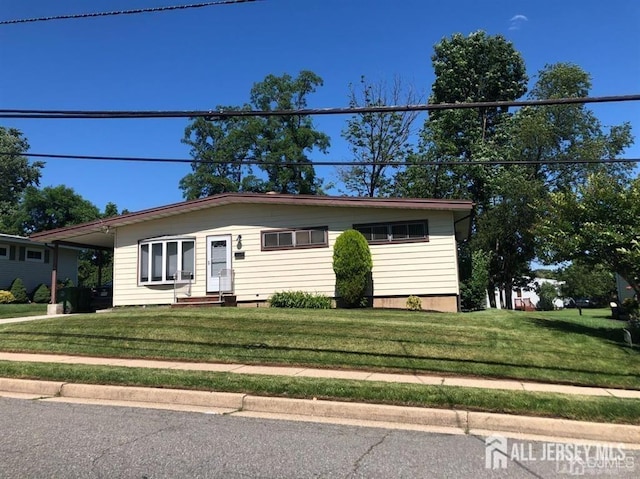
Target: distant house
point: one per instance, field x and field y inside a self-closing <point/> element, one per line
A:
<point x="249" y="246"/>
<point x="32" y="262"/>
<point x="624" y="289"/>
<point x="526" y="298"/>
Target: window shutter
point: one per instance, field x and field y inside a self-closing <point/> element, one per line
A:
<point x="47" y="253"/>
<point x="12" y="253"/>
<point x="21" y="253"/>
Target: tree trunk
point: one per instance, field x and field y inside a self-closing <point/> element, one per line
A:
<point x="491" y="291"/>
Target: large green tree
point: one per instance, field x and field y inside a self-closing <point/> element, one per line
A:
<point x="53" y="207"/>
<point x="16" y="174"/>
<point x="593" y="281"/>
<point x="222" y="147"/>
<point x="378" y="140"/>
<point x="282" y="143"/>
<point x="597" y="224"/>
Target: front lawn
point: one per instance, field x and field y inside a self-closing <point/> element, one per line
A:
<point x="558" y="346"/>
<point x="20" y="310"/>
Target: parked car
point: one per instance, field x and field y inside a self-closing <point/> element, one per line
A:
<point x="585" y="303"/>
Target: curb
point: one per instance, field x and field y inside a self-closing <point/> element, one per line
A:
<point x="468" y="422"/>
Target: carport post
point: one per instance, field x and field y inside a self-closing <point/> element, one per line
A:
<point x="54" y="281"/>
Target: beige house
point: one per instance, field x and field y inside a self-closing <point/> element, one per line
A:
<point x="248" y="246"/>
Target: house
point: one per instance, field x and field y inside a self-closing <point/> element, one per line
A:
<point x="32" y="262"/>
<point x="249" y="245"/>
<point x="527" y="298"/>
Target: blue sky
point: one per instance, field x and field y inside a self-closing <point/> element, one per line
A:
<point x="196" y="59"/>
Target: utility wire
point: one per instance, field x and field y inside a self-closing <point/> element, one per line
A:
<point x="255" y="161"/>
<point x="124" y="12"/>
<point x="222" y="113"/>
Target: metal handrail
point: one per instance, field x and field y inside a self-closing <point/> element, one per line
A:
<point x="180" y="279"/>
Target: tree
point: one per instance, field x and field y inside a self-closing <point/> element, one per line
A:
<point x="16" y="174"/>
<point x="282" y="142"/>
<point x="352" y="265"/>
<point x="595" y="282"/>
<point x="595" y="224"/>
<point x="477" y="68"/>
<point x="381" y="139"/>
<point x="220" y="148"/>
<point x="53" y="207"/>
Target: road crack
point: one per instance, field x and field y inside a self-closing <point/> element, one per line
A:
<point x="358" y="462"/>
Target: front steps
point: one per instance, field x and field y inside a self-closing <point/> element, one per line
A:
<point x="205" y="301"/>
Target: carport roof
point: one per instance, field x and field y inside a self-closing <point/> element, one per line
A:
<point x="100" y="233"/>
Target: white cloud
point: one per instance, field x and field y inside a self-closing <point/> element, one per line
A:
<point x="517" y="21"/>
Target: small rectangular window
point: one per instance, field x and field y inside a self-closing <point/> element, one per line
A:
<point x="4" y="251"/>
<point x="295" y="238"/>
<point x="394" y="232"/>
<point x="35" y="255"/>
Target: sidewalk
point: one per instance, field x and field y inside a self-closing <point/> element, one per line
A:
<point x="324" y="373"/>
<point x="373" y="415"/>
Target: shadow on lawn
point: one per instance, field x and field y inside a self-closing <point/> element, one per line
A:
<point x="612" y="335"/>
<point x="165" y="354"/>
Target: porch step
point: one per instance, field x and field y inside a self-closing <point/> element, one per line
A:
<point x="213" y="300"/>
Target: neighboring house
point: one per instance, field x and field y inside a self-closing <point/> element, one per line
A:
<point x="252" y="245"/>
<point x="623" y="288"/>
<point x="32" y="262"/>
<point x="526" y="298"/>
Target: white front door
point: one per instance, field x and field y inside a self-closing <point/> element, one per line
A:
<point x="219" y="272"/>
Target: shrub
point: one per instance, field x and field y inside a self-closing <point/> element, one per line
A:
<point x="414" y="303"/>
<point x="42" y="294"/>
<point x="299" y="299"/>
<point x="19" y="291"/>
<point x="547" y="293"/>
<point x="6" y="297"/>
<point x="352" y="265"/>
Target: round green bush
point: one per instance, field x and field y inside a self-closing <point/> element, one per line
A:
<point x="42" y="294"/>
<point x="19" y="291"/>
<point x="352" y="264"/>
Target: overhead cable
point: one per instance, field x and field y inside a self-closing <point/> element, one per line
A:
<point x="232" y="113"/>
<point x="124" y="12"/>
<point x="256" y="161"/>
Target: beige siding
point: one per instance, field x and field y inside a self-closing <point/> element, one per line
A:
<point x="425" y="268"/>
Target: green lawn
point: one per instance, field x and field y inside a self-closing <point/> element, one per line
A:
<point x="20" y="310"/>
<point x="558" y="346"/>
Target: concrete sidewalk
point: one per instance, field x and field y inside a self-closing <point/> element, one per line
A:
<point x="373" y="415"/>
<point x="433" y="380"/>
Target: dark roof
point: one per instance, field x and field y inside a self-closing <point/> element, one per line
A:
<point x="93" y="233"/>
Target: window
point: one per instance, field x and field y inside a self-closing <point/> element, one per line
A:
<point x="35" y="255"/>
<point x="161" y="258"/>
<point x="396" y="232"/>
<point x="4" y="251"/>
<point x="295" y="238"/>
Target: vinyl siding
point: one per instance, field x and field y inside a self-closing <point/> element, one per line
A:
<point x="33" y="273"/>
<point x="426" y="268"/>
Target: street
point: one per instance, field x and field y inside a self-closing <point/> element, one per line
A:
<point x="59" y="440"/>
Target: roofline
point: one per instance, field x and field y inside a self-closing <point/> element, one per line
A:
<point x="7" y="238"/>
<point x="260" y="198"/>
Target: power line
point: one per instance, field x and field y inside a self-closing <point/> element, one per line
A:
<point x="255" y="161"/>
<point x="222" y="113"/>
<point x="124" y="12"/>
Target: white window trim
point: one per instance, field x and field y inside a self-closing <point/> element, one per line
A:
<point x="8" y="251"/>
<point x="34" y="250"/>
<point x="163" y="241"/>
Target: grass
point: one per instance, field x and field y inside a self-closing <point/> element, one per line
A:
<point x="558" y="346"/>
<point x="20" y="310"/>
<point x="599" y="409"/>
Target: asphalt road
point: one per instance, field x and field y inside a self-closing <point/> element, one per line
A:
<point x="57" y="440"/>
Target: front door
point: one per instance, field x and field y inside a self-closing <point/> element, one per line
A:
<point x="219" y="272"/>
